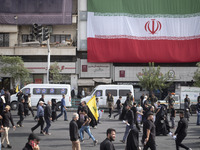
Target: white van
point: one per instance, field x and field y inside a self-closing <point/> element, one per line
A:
<point x="101" y="91"/>
<point x="49" y="90"/>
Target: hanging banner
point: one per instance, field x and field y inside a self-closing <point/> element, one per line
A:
<point x="139" y="31"/>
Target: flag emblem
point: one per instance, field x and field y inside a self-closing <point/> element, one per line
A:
<point x="153" y="26"/>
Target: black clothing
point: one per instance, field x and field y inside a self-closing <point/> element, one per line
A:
<point x="161" y="122"/>
<point x="171" y="100"/>
<point x="182" y="127"/>
<point x="53" y="109"/>
<point x="130" y="117"/>
<point x="134" y="109"/>
<point x="1" y="106"/>
<point x="82" y="108"/>
<point x="124" y="110"/>
<point x="151" y="145"/>
<point x="7" y="116"/>
<point x="0" y="126"/>
<point x="133" y="140"/>
<point x="27" y="147"/>
<point x="149" y="125"/>
<point x="141" y="101"/>
<point x="181" y="132"/>
<point x="47" y="112"/>
<point x="146" y="110"/>
<point x="198" y="107"/>
<point x="118" y="104"/>
<point x="110" y="101"/>
<point x="26" y="109"/>
<point x="40" y="123"/>
<point x="187" y="100"/>
<point x="25" y="98"/>
<point x="20" y="113"/>
<point x="198" y="98"/>
<point x="7" y="98"/>
<point x="73" y="131"/>
<point x="153" y="100"/>
<point x="72" y="93"/>
<point x="41" y="99"/>
<point x="172" y="112"/>
<point x="20" y="109"/>
<point x="19" y="96"/>
<point x="107" y="145"/>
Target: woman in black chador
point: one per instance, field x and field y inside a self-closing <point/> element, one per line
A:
<point x="161" y="123"/>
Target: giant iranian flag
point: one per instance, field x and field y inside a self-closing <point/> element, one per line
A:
<point x="165" y="31"/>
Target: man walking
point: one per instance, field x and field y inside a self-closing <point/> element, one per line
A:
<point x="119" y="107"/>
<point x="63" y="109"/>
<point x="7" y="97"/>
<point x="198" y="112"/>
<point x="149" y="133"/>
<point x="40" y="116"/>
<point x="85" y="127"/>
<point x="129" y="122"/>
<point x="107" y="143"/>
<point x="130" y="99"/>
<point x="47" y="118"/>
<point x="73" y="131"/>
<point x="181" y="132"/>
<point x="7" y="117"/>
<point x="21" y="112"/>
<point x="110" y="102"/>
<point x="187" y="107"/>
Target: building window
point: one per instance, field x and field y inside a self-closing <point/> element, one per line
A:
<point x="26" y="38"/>
<point x="4" y="39"/>
<point x="59" y="38"/>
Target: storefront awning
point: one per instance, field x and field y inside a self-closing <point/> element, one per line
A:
<point x="85" y="82"/>
<point x="102" y="80"/>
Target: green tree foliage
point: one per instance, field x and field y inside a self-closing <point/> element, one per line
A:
<point x="14" y="67"/>
<point x="152" y="79"/>
<point x="54" y="73"/>
<point x="196" y="76"/>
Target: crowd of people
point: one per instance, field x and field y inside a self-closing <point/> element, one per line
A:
<point x="149" y="116"/>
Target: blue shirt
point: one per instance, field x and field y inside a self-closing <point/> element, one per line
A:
<point x="40" y="111"/>
<point x="2" y="92"/>
<point x="62" y="103"/>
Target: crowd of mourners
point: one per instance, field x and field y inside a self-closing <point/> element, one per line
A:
<point x="149" y="116"/>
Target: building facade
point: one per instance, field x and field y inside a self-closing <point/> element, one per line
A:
<point x="68" y="42"/>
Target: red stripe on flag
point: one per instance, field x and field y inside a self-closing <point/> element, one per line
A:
<point x="142" y="51"/>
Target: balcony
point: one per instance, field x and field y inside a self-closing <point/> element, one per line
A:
<point x="57" y="49"/>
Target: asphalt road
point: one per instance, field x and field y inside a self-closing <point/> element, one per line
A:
<point x="59" y="140"/>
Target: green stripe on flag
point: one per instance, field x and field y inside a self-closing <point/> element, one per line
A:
<point x="145" y="6"/>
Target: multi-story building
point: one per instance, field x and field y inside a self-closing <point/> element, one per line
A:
<point x="60" y="17"/>
<point x="67" y="21"/>
<point x="91" y="74"/>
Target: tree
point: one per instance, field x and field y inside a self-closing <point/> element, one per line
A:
<point x="196" y="76"/>
<point x="14" y="67"/>
<point x="152" y="79"/>
<point x="54" y="73"/>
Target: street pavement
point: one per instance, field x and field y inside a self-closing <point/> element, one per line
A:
<point x="59" y="140"/>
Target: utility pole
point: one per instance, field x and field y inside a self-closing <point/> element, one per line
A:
<point x="48" y="64"/>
